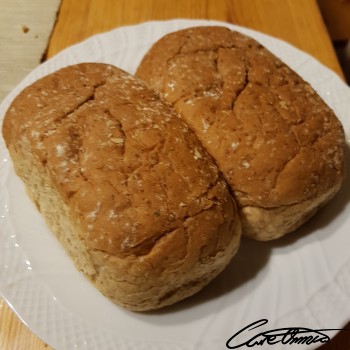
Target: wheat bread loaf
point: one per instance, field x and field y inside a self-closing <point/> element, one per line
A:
<point x="277" y="143"/>
<point x="123" y="183"/>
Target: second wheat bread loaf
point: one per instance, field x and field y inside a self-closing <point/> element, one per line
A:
<point x="279" y="146"/>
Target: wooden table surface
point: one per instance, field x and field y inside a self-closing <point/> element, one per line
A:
<point x="296" y="21"/>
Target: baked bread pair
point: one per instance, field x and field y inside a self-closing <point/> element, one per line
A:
<point x="133" y="192"/>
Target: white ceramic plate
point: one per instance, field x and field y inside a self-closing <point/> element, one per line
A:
<point x="300" y="280"/>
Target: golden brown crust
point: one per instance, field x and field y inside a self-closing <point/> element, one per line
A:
<point x="276" y="142"/>
<point x="142" y="208"/>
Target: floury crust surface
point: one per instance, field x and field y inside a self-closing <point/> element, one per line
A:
<point x="124" y="184"/>
<point x="279" y="146"/>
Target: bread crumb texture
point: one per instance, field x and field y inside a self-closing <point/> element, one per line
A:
<point x="279" y="146"/>
<point x="125" y="185"/>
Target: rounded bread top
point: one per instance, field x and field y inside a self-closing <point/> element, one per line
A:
<point x="130" y="169"/>
<point x="275" y="140"/>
